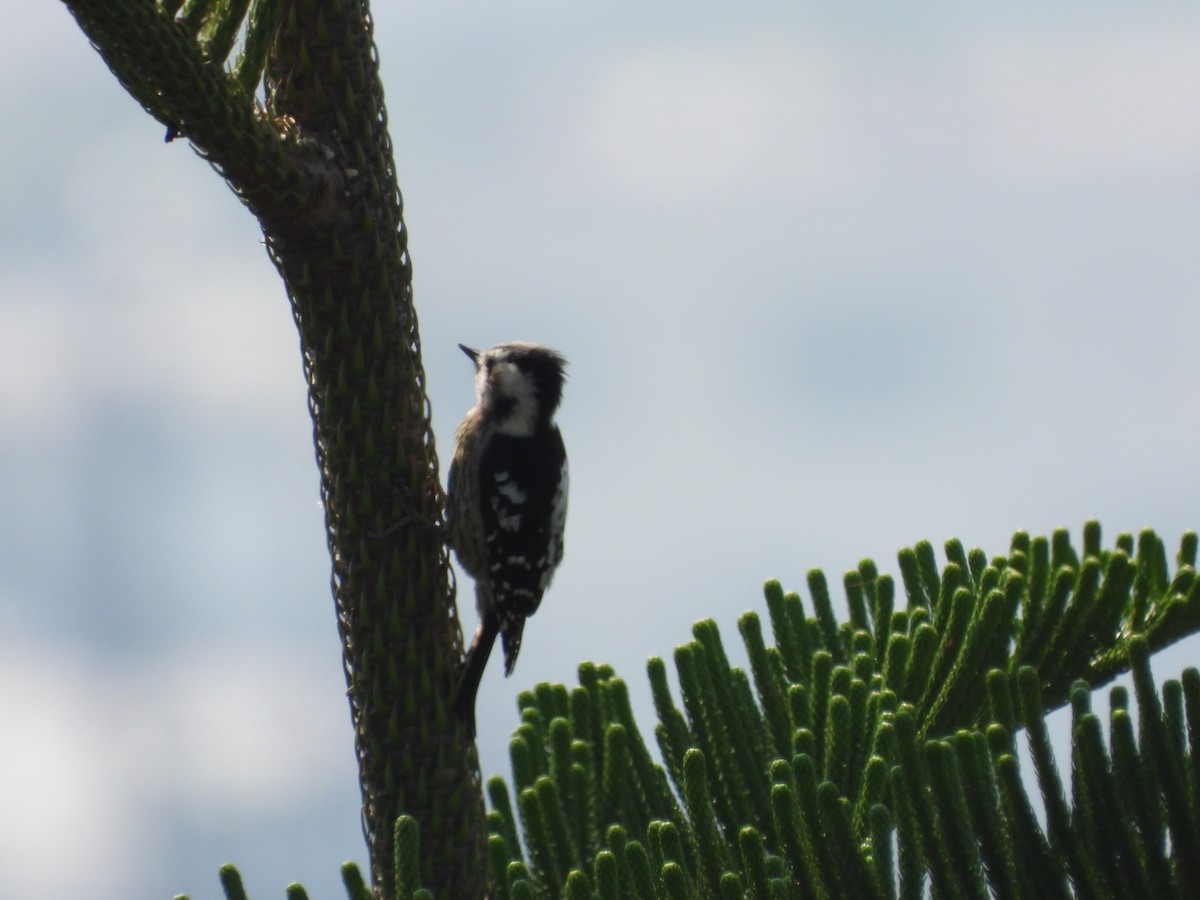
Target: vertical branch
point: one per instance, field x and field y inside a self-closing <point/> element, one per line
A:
<point x="350" y="282"/>
<point x="315" y="166"/>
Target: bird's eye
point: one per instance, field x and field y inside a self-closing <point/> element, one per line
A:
<point x="489" y="363"/>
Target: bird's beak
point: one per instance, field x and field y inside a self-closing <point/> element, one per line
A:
<point x="474" y="354"/>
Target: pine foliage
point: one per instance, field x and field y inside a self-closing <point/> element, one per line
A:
<point x="877" y="757"/>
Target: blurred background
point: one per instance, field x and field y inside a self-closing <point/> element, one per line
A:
<point x="831" y="281"/>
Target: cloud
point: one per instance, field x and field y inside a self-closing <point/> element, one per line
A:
<point x="98" y="758"/>
<point x="687" y="122"/>
<point x="757" y="116"/>
<point x="57" y="762"/>
<point x="1098" y="103"/>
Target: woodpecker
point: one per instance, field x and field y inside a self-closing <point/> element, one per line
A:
<point x="507" y="499"/>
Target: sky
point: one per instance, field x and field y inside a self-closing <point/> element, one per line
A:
<point x="831" y="280"/>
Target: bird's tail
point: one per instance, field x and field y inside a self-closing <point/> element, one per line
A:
<point x="510" y="640"/>
<point x="472" y="670"/>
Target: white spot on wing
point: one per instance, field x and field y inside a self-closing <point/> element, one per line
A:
<point x="511" y="491"/>
<point x="558" y="521"/>
<point x="506" y="518"/>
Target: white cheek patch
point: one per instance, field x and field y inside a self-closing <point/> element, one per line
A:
<point x="512" y="384"/>
<point x="481" y="384"/>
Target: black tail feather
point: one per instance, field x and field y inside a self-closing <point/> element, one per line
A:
<point x="472" y="670"/>
<point x="510" y="640"/>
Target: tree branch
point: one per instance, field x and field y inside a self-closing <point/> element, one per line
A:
<point x="314" y="163"/>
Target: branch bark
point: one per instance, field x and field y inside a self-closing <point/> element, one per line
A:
<point x="314" y="164"/>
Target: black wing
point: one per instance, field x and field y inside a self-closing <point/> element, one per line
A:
<point x="523" y="483"/>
